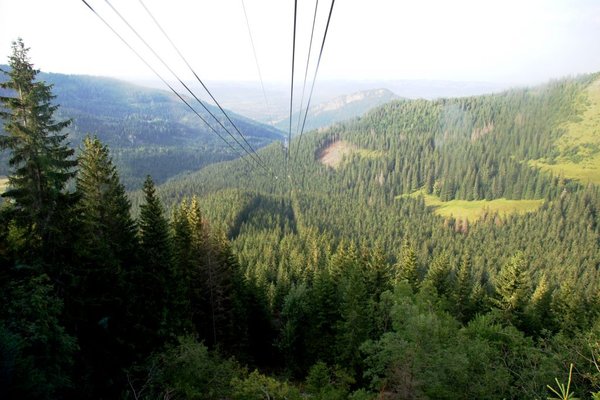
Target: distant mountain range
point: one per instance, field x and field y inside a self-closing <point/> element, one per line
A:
<point x="248" y="99"/>
<point x="148" y="130"/>
<point x="125" y="114"/>
<point x="339" y="109"/>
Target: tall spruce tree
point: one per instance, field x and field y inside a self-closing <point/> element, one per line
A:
<point x="40" y="161"/>
<point x="512" y="290"/>
<point x="103" y="209"/>
<point x="539" y="309"/>
<point x="152" y="283"/>
<point x="463" y="288"/>
<point x="182" y="267"/>
<point x="107" y="251"/>
<point x="155" y="240"/>
<point x="407" y="268"/>
<point x="438" y="275"/>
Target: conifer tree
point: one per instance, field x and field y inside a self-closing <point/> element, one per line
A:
<point x="103" y="209"/>
<point x="233" y="322"/>
<point x="107" y="250"/>
<point x="378" y="272"/>
<point x="407" y="268"/>
<point x="539" y="309"/>
<point x="295" y="315"/>
<point x="568" y="307"/>
<point x="181" y="234"/>
<point x="356" y="318"/>
<point x="155" y="240"/>
<point x="463" y="288"/>
<point x="182" y="267"/>
<point x="41" y="164"/>
<point x="150" y="289"/>
<point x="512" y="290"/>
<point x="220" y="285"/>
<point x="197" y="270"/>
<point x="325" y="305"/>
<point x="438" y="275"/>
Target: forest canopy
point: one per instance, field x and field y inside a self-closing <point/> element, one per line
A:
<point x="336" y="283"/>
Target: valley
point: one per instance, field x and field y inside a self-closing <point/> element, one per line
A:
<point x="147" y="260"/>
<point x="149" y="130"/>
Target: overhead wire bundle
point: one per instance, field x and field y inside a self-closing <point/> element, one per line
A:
<point x="253" y="156"/>
<point x="316" y="71"/>
<point x="247" y="149"/>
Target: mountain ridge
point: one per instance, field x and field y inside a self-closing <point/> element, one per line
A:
<point x="149" y="130"/>
<point x="340" y="108"/>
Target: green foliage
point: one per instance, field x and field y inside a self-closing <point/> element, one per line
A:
<point x="293" y="276"/>
<point x="539" y="312"/>
<point x="461" y="296"/>
<point x="37" y="353"/>
<point x="152" y="282"/>
<point x="438" y="276"/>
<point x="187" y="370"/>
<point x="295" y="316"/>
<point x="258" y="386"/>
<point x="581" y="349"/>
<point x="317" y="378"/>
<point x="356" y="319"/>
<point x="103" y="207"/>
<point x="563" y="392"/>
<point x="40" y="163"/>
<point x="324" y="383"/>
<point x="512" y="290"/>
<point x="429" y="355"/>
<point x="408" y="270"/>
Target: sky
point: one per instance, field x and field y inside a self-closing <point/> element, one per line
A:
<point x="502" y="41"/>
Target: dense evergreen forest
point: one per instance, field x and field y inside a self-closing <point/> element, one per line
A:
<point x="313" y="281"/>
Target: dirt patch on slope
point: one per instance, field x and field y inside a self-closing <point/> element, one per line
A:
<point x="334" y="154"/>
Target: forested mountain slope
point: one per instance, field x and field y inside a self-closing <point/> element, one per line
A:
<point x="465" y="148"/>
<point x="475" y="148"/>
<point x="324" y="240"/>
<point x="349" y="268"/>
<point x="148" y="130"/>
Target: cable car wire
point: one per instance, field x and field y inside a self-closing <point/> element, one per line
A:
<point x="253" y="156"/>
<point x="198" y="78"/>
<point x="163" y="80"/>
<point x="287" y="151"/>
<point x="312" y="31"/>
<point x="314" y="78"/>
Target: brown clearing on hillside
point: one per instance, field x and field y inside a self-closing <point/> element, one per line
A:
<point x="3" y="184"/>
<point x="333" y="154"/>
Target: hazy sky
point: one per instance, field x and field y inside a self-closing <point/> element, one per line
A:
<point x="516" y="41"/>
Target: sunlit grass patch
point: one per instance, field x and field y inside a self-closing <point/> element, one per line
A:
<point x="579" y="147"/>
<point x="473" y="210"/>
